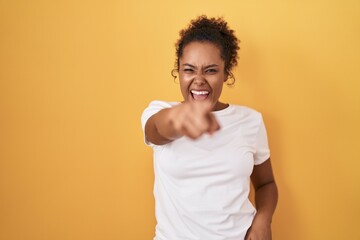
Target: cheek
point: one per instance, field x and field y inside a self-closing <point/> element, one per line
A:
<point x="186" y="78"/>
<point x="217" y="87"/>
<point x="184" y="85"/>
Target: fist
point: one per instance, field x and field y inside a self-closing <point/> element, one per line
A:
<point x="193" y="119"/>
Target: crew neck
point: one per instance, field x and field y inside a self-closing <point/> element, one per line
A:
<point x="223" y="111"/>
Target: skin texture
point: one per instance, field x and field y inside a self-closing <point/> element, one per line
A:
<point x="266" y="196"/>
<point x="202" y="68"/>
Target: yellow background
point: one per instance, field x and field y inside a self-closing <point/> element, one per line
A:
<point x="75" y="77"/>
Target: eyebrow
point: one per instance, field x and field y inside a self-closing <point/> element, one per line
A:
<point x="208" y="66"/>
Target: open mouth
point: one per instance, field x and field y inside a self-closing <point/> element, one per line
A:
<point x="199" y="95"/>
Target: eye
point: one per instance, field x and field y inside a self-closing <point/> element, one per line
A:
<point x="188" y="70"/>
<point x="211" y="71"/>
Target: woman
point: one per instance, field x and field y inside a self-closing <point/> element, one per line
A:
<point x="206" y="151"/>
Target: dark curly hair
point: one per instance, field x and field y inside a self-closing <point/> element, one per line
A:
<point x="213" y="30"/>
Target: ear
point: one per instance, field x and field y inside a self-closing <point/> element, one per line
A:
<point x="226" y="76"/>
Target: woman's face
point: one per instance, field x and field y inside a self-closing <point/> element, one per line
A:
<point x="202" y="73"/>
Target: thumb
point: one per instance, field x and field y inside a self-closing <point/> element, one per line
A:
<point x="204" y="106"/>
<point x="214" y="125"/>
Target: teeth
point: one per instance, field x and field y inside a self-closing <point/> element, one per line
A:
<point x="199" y="92"/>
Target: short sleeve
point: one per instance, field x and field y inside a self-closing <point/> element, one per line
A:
<point x="153" y="108"/>
<point x="262" y="151"/>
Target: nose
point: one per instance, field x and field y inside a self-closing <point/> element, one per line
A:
<point x="199" y="79"/>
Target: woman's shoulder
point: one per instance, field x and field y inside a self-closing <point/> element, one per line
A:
<point x="245" y="110"/>
<point x="244" y="114"/>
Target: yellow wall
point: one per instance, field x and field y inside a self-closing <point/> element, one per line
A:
<point x="76" y="75"/>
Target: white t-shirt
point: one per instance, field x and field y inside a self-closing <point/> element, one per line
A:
<point x="202" y="186"/>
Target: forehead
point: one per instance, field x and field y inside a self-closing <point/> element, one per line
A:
<point x="199" y="53"/>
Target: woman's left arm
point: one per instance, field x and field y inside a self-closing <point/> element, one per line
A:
<point x="266" y="196"/>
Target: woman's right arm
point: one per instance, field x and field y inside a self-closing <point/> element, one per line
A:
<point x="186" y="119"/>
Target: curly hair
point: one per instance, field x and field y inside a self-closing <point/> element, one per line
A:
<point x="213" y="30"/>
